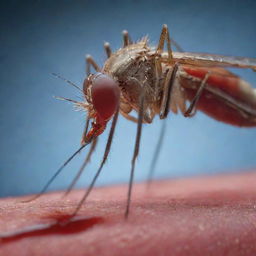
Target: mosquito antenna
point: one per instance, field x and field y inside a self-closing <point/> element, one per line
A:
<point x="57" y="173"/>
<point x="67" y="81"/>
<point x="80" y="97"/>
<point x="157" y="152"/>
<point x="78" y="104"/>
<point x="67" y="99"/>
<point x="105" y="156"/>
<point x="87" y="160"/>
<point x="135" y="153"/>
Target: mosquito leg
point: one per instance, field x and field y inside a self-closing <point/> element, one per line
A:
<point x="126" y="38"/>
<point x="86" y="161"/>
<point x="188" y="112"/>
<point x="165" y="106"/>
<point x="129" y="117"/>
<point x="67" y="81"/>
<point x="177" y="46"/>
<point x="158" y="75"/>
<point x="168" y="84"/>
<point x="136" y="151"/>
<point x="157" y="152"/>
<point x="107" y="149"/>
<point x="165" y="37"/>
<point x="107" y="49"/>
<point x="91" y="62"/>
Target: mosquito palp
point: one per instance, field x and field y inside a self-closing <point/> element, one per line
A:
<point x="67" y="81"/>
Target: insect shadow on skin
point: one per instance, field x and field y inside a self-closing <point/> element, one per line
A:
<point x="154" y="82"/>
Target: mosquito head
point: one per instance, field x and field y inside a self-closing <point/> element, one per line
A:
<point x="102" y="94"/>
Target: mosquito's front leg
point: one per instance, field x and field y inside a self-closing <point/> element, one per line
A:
<point x="189" y="111"/>
<point x="165" y="37"/>
<point x="91" y="62"/>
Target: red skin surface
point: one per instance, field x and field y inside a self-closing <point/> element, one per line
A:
<point x="197" y="216"/>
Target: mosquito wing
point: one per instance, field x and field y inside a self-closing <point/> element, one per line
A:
<point x="211" y="60"/>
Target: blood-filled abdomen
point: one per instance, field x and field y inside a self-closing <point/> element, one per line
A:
<point x="226" y="97"/>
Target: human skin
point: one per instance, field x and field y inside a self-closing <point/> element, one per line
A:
<point x="197" y="216"/>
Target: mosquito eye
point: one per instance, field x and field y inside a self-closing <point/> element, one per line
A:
<point x="105" y="95"/>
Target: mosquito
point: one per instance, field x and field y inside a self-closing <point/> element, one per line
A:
<point x="151" y="81"/>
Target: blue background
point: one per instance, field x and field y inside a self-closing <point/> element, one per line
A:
<point x="38" y="132"/>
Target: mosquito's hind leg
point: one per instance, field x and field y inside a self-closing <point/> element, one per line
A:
<point x="107" y="49"/>
<point x="126" y="38"/>
<point x="190" y="110"/>
<point x="165" y="37"/>
<point x="91" y="62"/>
